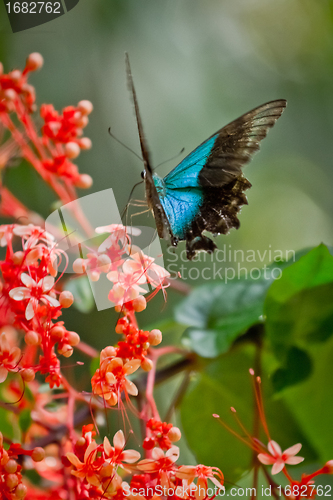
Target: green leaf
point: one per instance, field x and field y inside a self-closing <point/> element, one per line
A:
<point x="83" y="297"/>
<point x="25" y="420"/>
<point x="311" y="401"/>
<point x="298" y="366"/>
<point x="299" y="306"/>
<point x="219" y="313"/>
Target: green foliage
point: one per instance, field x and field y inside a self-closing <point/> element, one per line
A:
<point x="218" y="313"/>
<point x="295" y="345"/>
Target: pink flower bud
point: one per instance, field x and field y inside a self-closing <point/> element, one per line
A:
<point x="79" y="266"/>
<point x="85" y="107"/>
<point x="85" y="181"/>
<point x="85" y="143"/>
<point x="15" y="75"/>
<point x="11" y="466"/>
<point x="28" y="374"/>
<point x="174" y="434"/>
<point x="155" y="337"/>
<point x="32" y="338"/>
<point x="147" y="364"/>
<point x="72" y="150"/>
<point x="20" y="491"/>
<point x="73" y="338"/>
<point x="139" y="304"/>
<point x="66" y="299"/>
<point x="38" y="454"/>
<point x="34" y="61"/>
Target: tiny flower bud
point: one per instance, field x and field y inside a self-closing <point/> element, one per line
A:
<point x="34" y="61"/>
<point x="72" y="150"/>
<point x="1" y="68"/>
<point x="174" y="434"/>
<point x="118" y="309"/>
<point x="147" y="364"/>
<point x="155" y="337"/>
<point x="66" y="299"/>
<point x="79" y="266"/>
<point x="106" y="470"/>
<point x="57" y="332"/>
<point x="15" y="75"/>
<point x="85" y="107"/>
<point x="109" y="352"/>
<point x="139" y="304"/>
<point x="18" y="258"/>
<point x="31" y="338"/>
<point x="66" y="350"/>
<point x="94" y="275"/>
<point x="28" y="374"/>
<point x="85" y="143"/>
<point x="103" y="262"/>
<point x="11" y="466"/>
<point x="38" y="454"/>
<point x="85" y="181"/>
<point x="20" y="491"/>
<point x="73" y="338"/>
<point x="119" y="329"/>
<point x="11" y="481"/>
<point x="10" y="94"/>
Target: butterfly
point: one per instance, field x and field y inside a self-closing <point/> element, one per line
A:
<point x="205" y="191"/>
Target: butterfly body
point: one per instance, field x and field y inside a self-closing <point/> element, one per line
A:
<point x="205" y="191"/>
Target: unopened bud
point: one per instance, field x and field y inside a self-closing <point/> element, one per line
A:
<point x="31" y="338"/>
<point x="18" y="258"/>
<point x="34" y="61"/>
<point x="155" y="337"/>
<point x="20" y="491"/>
<point x="73" y="338"/>
<point x="139" y="304"/>
<point x="11" y="466"/>
<point x="28" y="374"/>
<point x="147" y="364"/>
<point x="72" y="150"/>
<point x="85" y="143"/>
<point x="79" y="266"/>
<point x="57" y="332"/>
<point x="84" y="182"/>
<point x="38" y="454"/>
<point x="174" y="434"/>
<point x="85" y="107"/>
<point x="66" y="299"/>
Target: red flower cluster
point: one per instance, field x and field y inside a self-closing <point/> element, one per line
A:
<point x="50" y="150"/>
<point x="110" y="379"/>
<point x="160" y="434"/>
<point x="31" y="302"/>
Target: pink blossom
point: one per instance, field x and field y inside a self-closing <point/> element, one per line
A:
<point x="35" y="292"/>
<point x="279" y="458"/>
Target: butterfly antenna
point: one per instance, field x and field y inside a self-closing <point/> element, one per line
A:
<point x="170" y="159"/>
<point x="144" y="149"/>
<point x="124" y="145"/>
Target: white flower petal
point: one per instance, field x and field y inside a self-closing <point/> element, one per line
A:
<point x="274" y="448"/>
<point x="294" y="460"/>
<point x="293" y="450"/>
<point x="119" y="440"/>
<point x="50" y="300"/>
<point x="277" y="467"/>
<point x="20" y="293"/>
<point x="46" y="283"/>
<point x="31" y="308"/>
<point x="27" y="280"/>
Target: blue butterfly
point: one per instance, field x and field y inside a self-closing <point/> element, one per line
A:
<point x="206" y="190"/>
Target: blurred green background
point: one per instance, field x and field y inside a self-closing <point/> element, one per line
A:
<point x="196" y="66"/>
